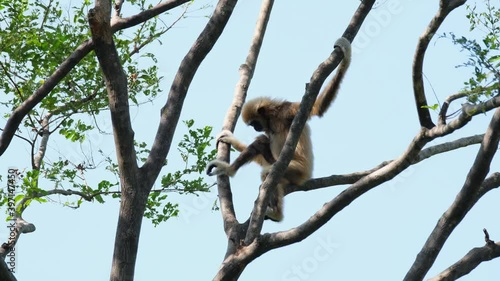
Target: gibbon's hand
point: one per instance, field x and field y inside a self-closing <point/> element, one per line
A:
<point x="217" y="167"/>
<point x="225" y="136"/>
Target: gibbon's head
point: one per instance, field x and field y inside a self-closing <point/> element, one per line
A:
<point x="255" y="113"/>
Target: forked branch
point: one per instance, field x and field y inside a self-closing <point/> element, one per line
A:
<point x="470" y="261"/>
<point x="470" y="193"/>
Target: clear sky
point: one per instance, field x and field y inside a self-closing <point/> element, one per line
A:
<point x="375" y="238"/>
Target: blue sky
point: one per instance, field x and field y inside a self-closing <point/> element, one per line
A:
<point x="375" y="238"/>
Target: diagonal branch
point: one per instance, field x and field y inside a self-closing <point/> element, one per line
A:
<point x="346" y="197"/>
<point x="67" y="65"/>
<point x="171" y="111"/>
<point x="445" y="7"/>
<point x="5" y="273"/>
<point x="465" y="200"/>
<point x="312" y="90"/>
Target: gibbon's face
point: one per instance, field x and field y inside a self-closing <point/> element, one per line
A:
<point x="257" y="126"/>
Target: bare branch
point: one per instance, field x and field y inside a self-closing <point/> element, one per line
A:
<point x="445" y="7"/>
<point x="451" y="98"/>
<point x="172" y="109"/>
<point x="5" y="273"/>
<point x="470" y="261"/>
<point x="122" y="23"/>
<point x="446" y="105"/>
<point x="448" y="146"/>
<point x="246" y="73"/>
<point x="468" y="111"/>
<point x="465" y="200"/>
<point x="117" y="7"/>
<point x="342" y="200"/>
<point x="353" y="177"/>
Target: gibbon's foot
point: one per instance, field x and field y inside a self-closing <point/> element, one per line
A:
<point x="273" y="215"/>
<point x="217" y="167"/>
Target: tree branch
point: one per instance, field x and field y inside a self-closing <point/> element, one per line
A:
<point x="470" y="261"/>
<point x="445" y="7"/>
<point x="172" y="109"/>
<point x="342" y="200"/>
<point x="67" y="65"/>
<point x="465" y="200"/>
<point x="247" y="70"/>
<point x="353" y="177"/>
<point x="468" y="111"/>
<point x="5" y="273"/>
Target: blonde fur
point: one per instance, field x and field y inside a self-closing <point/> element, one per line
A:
<point x="274" y="117"/>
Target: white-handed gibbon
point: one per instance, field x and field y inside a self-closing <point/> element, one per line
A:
<point x="274" y="118"/>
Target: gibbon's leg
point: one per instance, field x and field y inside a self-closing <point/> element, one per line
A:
<point x="296" y="173"/>
<point x="274" y="209"/>
<point x="258" y="151"/>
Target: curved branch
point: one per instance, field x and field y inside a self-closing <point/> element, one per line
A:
<point x="468" y="111"/>
<point x="465" y="200"/>
<point x="446" y="105"/>
<point x="445" y="7"/>
<point x="67" y="65"/>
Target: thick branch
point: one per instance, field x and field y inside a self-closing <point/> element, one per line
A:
<point x="172" y="109"/>
<point x="470" y="261"/>
<point x="116" y="84"/>
<point x="134" y="193"/>
<point x="465" y="200"/>
<point x="67" y="65"/>
<point x="5" y="273"/>
<point x="445" y="7"/>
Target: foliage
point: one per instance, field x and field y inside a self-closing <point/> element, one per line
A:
<point x="484" y="54"/>
<point x="35" y="37"/>
<point x="195" y="143"/>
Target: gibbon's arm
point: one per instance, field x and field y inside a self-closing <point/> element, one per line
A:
<point x="330" y="92"/>
<point x="259" y="151"/>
